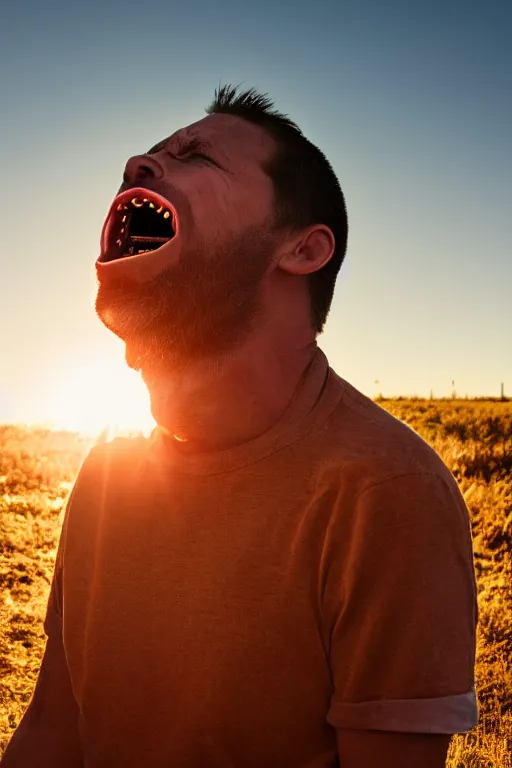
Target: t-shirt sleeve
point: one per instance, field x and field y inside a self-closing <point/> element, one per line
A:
<point x="400" y="603"/>
<point x="54" y="608"/>
<point x="53" y="617"/>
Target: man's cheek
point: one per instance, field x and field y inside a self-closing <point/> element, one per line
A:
<point x="223" y="204"/>
<point x="208" y="202"/>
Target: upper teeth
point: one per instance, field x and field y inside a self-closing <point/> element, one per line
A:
<point x="138" y="202"/>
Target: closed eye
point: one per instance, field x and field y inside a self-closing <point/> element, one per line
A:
<point x="200" y="156"/>
<point x="157" y="148"/>
<point x="192" y="149"/>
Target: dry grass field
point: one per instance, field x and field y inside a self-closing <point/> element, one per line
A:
<point x="473" y="437"/>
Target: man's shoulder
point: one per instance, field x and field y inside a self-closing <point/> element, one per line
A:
<point x="368" y="445"/>
<point x="120" y="455"/>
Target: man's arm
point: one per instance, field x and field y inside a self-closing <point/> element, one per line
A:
<point x="400" y="601"/>
<point x="48" y="735"/>
<point x="389" y="749"/>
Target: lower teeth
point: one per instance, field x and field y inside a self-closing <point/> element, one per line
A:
<point x="136" y="241"/>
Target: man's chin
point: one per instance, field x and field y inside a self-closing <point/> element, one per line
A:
<point x="168" y="346"/>
<point x="142" y="347"/>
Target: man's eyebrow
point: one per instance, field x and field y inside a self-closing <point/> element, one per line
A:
<point x="182" y="144"/>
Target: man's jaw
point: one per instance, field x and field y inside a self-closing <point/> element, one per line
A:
<point x="140" y="238"/>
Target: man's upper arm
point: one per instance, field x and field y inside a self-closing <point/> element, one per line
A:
<point x="391" y="749"/>
<point x="401" y="612"/>
<point x="48" y="733"/>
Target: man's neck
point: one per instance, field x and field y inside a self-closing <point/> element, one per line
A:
<point x="221" y="404"/>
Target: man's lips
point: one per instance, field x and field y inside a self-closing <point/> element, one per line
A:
<point x="138" y="267"/>
<point x="126" y="200"/>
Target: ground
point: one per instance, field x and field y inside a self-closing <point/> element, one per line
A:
<point x="473" y="437"/>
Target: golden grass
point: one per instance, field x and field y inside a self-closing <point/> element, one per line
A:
<point x="474" y="438"/>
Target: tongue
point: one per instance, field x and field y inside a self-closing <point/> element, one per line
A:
<point x="140" y="243"/>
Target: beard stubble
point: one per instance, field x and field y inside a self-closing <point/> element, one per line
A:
<point x="202" y="308"/>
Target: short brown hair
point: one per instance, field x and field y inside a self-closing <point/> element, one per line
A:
<point x="306" y="187"/>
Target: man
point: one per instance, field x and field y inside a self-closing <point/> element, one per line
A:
<point x="281" y="575"/>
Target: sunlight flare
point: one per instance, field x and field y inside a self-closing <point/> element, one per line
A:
<point x="100" y="397"/>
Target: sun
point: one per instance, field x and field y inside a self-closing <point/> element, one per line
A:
<point x="99" y="395"/>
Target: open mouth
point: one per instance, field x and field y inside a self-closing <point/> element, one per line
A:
<point x="138" y="221"/>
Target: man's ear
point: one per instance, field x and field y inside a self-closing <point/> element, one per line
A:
<point x="308" y="251"/>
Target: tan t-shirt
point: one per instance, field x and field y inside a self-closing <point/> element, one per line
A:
<point x="233" y="609"/>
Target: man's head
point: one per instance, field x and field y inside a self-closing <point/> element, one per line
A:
<point x="204" y="220"/>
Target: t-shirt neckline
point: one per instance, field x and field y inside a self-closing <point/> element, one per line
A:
<point x="317" y="393"/>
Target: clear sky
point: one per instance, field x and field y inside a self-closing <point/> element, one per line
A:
<point x="411" y="102"/>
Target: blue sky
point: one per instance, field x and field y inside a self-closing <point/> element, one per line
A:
<point x="411" y="103"/>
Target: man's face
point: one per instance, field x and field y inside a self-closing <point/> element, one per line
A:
<point x="199" y="293"/>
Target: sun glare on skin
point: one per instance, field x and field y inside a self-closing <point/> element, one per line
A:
<point x="99" y="397"/>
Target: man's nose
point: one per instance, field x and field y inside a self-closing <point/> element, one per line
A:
<point x="142" y="167"/>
